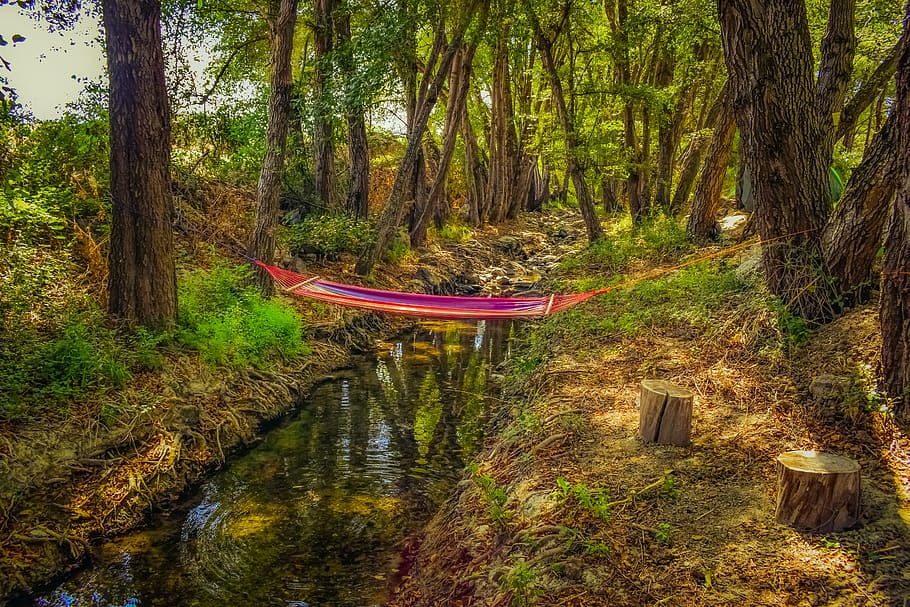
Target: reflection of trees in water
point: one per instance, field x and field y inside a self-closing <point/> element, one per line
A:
<point x="312" y="513"/>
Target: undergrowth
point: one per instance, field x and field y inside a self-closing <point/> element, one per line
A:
<point x="658" y="239"/>
<point x="230" y="323"/>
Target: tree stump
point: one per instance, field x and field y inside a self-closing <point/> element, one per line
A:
<point x="666" y="413"/>
<point x="817" y="491"/>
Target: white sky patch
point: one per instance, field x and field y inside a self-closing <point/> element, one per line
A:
<point x="45" y="67"/>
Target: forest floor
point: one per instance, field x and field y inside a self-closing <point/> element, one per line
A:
<point x="568" y="506"/>
<point x="565" y="505"/>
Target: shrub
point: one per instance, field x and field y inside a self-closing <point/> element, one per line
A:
<point x="328" y="236"/>
<point x="230" y="323"/>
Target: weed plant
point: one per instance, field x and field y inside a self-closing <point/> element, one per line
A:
<point x="230" y="323"/>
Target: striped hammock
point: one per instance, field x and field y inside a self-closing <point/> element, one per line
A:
<point x="418" y="304"/>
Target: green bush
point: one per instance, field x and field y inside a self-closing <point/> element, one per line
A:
<point x="328" y="236"/>
<point x="230" y="323"/>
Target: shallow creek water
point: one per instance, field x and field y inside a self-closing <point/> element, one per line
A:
<point x="312" y="515"/>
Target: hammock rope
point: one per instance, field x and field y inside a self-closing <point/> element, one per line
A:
<point x="420" y="304"/>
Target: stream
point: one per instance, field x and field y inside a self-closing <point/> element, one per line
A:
<point x="314" y="514"/>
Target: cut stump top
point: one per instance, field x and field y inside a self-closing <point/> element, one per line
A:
<point x="817" y="462"/>
<point x="660" y="386"/>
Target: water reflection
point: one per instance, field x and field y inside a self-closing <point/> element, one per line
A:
<point x="312" y="515"/>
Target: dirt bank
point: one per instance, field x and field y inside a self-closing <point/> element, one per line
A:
<point x="567" y="506"/>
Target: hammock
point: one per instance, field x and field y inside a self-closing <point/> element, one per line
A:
<point x="418" y="304"/>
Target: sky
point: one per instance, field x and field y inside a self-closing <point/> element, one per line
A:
<point x="44" y="66"/>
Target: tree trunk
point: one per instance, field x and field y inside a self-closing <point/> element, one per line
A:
<point x="322" y="120"/>
<point x="142" y="284"/>
<point x="895" y="299"/>
<point x="695" y="151"/>
<point x="855" y="231"/>
<point x="502" y="134"/>
<point x="573" y="168"/>
<point x="358" y="149"/>
<point x="818" y="492"/>
<point x="668" y="136"/>
<point x="281" y="19"/>
<point x="458" y="94"/>
<point x="768" y="52"/>
<point x="835" y="70"/>
<point x="475" y="171"/>
<point x="868" y="92"/>
<point x="429" y="91"/>
<point x="702" y="225"/>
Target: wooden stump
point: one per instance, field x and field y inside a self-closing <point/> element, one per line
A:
<point x="817" y="491"/>
<point x="666" y="413"/>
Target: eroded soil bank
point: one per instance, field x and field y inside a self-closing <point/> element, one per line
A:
<point x="77" y="480"/>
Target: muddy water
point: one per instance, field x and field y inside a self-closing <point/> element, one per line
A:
<point x="312" y="515"/>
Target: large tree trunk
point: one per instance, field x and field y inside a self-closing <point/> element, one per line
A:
<point x="142" y="284"/>
<point x="768" y="52"/>
<point x="475" y="171"/>
<point x="895" y="301"/>
<point x="702" y="225"/>
<point x="323" y="136"/>
<point x="854" y="233"/>
<point x="573" y="168"/>
<point x="429" y="91"/>
<point x="835" y="70"/>
<point x="358" y="149"/>
<point x="281" y="20"/>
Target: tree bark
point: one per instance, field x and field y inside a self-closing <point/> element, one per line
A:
<point x="142" y="284"/>
<point x="818" y="492"/>
<point x="429" y="91"/>
<point x="358" y="149"/>
<point x="702" y="225"/>
<point x="767" y="49"/>
<point x="323" y="135"/>
<point x="835" y="69"/>
<point x="695" y="151"/>
<point x="281" y="19"/>
<point x="666" y="413"/>
<point x="855" y="231"/>
<point x="895" y="298"/>
<point x="869" y="90"/>
<point x="503" y="141"/>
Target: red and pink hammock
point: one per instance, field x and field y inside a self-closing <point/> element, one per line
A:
<point x="418" y="304"/>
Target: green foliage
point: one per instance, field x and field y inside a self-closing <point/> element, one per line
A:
<point x="227" y="144"/>
<point x="796" y="331"/>
<point x="595" y="501"/>
<point x="79" y="360"/>
<point x="328" y="236"/>
<point x="230" y="323"/>
<point x="56" y="174"/>
<point x="657" y="239"/>
<point x="455" y="233"/>
<point x="400" y="249"/>
<point x="663" y="534"/>
<point x="521" y="580"/>
<point x="495" y="497"/>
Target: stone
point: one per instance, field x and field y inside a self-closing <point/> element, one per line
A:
<point x="828" y="386"/>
